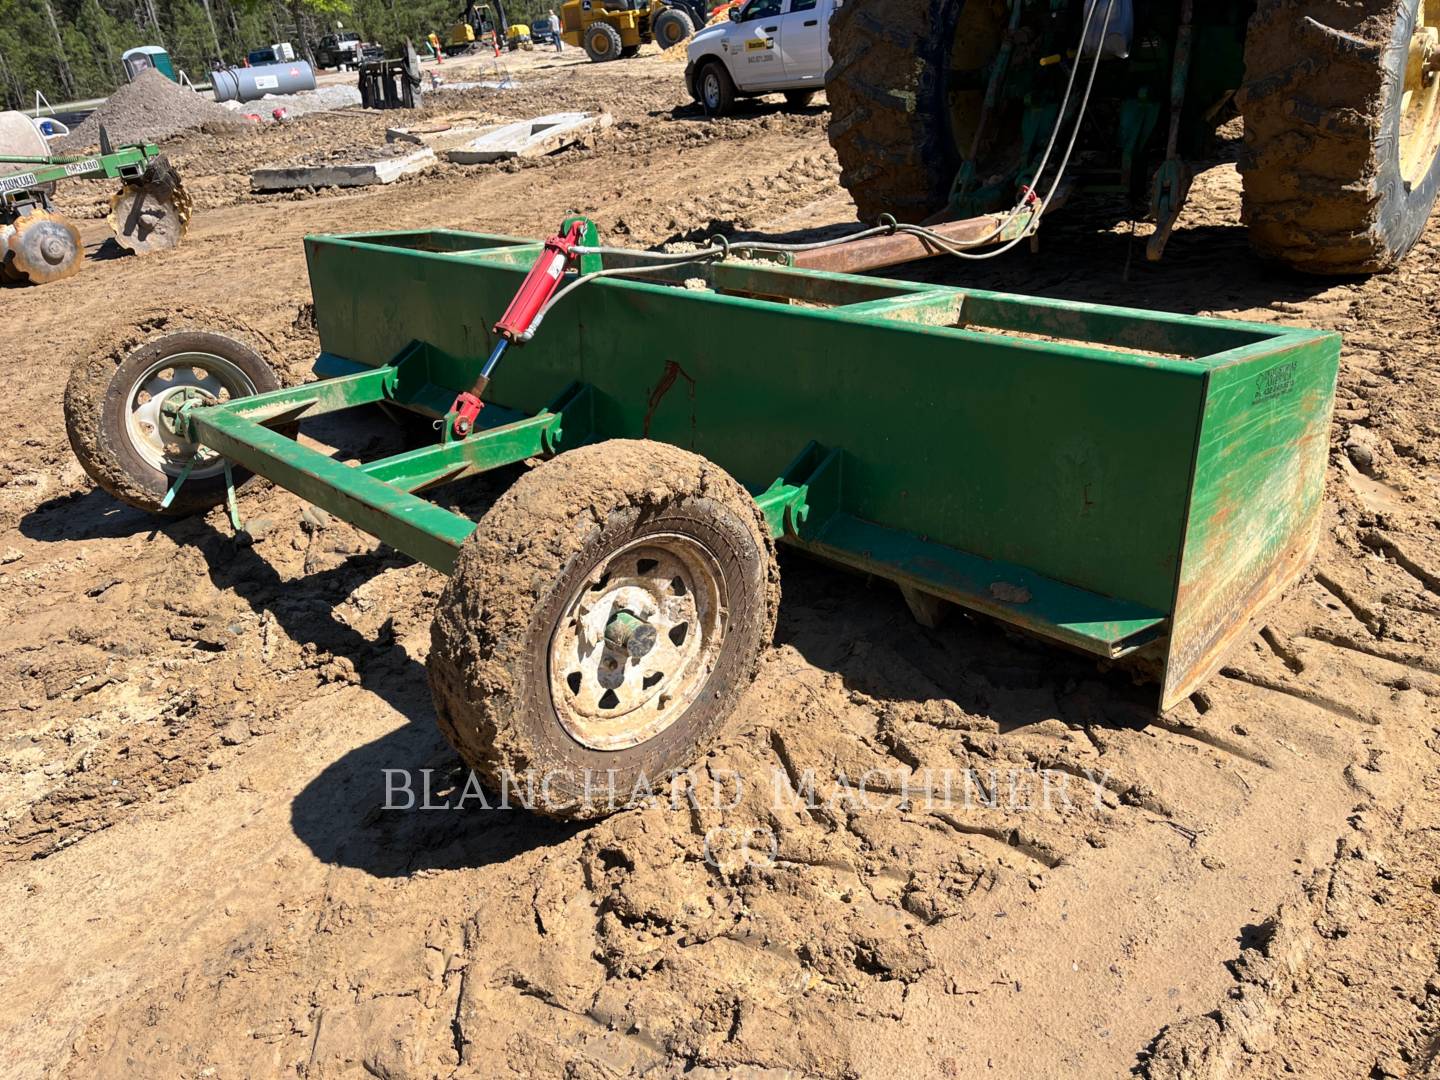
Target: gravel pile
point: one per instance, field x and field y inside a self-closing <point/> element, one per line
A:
<point x="150" y="109"/>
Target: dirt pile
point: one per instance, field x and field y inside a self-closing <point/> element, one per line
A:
<point x="150" y="109"/>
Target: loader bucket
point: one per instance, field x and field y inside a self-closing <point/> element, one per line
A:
<point x="1124" y="483"/>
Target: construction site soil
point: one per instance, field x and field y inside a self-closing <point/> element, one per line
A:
<point x="198" y="875"/>
<point x="150" y="109"/>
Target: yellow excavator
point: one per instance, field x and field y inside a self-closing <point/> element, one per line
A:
<point x="476" y="22"/>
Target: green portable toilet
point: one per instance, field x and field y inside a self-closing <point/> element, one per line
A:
<point x="147" y="56"/>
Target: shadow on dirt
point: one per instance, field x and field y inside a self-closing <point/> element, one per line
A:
<point x="861" y="630"/>
<point x="401" y="804"/>
<point x="94" y="515"/>
<point x="744" y="109"/>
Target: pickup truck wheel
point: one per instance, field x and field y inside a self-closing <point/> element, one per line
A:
<point x="799" y="99"/>
<point x="717" y="89"/>
<point x="601" y="624"/>
<point x="602" y="42"/>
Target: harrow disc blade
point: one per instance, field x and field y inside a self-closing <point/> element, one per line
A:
<point x="149" y="217"/>
<point x="44" y="247"/>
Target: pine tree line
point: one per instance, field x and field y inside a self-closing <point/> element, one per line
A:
<point x="70" y="49"/>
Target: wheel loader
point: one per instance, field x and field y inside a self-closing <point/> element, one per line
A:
<point x="615" y="29"/>
<point x="946" y="109"/>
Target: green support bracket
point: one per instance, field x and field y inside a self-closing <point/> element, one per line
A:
<point x="588" y="263"/>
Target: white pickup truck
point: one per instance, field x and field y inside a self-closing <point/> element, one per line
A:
<point x="767" y="47"/>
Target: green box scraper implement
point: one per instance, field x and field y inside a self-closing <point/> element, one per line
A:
<point x="1123" y="483"/>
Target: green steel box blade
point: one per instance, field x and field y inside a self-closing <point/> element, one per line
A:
<point x="1126" y="483"/>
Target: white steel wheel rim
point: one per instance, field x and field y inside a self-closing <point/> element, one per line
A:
<point x="711" y="86"/>
<point x="205" y="377"/>
<point x="607" y="698"/>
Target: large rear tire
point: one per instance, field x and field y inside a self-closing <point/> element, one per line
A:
<point x="601" y="624"/>
<point x="1342" y="131"/>
<point x="905" y="87"/>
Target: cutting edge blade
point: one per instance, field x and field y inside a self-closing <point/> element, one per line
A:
<point x="174" y="202"/>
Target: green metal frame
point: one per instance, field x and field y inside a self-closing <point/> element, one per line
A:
<point x="126" y="163"/>
<point x="1118" y="481"/>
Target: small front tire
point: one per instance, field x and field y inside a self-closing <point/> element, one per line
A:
<point x="602" y="42"/>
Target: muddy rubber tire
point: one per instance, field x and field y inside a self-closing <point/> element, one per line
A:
<point x="96" y="421"/>
<point x="523" y="571"/>
<point x="799" y="99"/>
<point x="602" y="42"/>
<point x="671" y="28"/>
<point x="1323" y="190"/>
<point x="888" y="108"/>
<point x="715" y="90"/>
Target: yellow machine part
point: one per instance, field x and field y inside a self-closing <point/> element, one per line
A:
<point x="462" y="33"/>
<point x="633" y="26"/>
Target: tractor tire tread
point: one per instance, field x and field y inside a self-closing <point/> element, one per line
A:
<point x="1319" y="193"/>
<point x="887" y="139"/>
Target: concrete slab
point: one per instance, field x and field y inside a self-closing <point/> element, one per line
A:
<point x="529" y="138"/>
<point x="347" y="174"/>
<point x="441" y="135"/>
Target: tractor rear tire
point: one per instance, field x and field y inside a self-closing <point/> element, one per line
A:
<point x="671" y="28"/>
<point x="893" y="122"/>
<point x="111" y="444"/>
<point x="531" y="688"/>
<point x="1326" y="190"/>
<point x="602" y="42"/>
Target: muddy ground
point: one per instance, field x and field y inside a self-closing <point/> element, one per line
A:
<point x="200" y="878"/>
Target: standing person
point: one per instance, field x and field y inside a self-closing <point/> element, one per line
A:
<point x="555" y="28"/>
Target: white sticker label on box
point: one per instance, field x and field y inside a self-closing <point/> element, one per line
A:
<point x="267" y="82"/>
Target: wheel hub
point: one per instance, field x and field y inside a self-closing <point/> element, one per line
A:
<point x="637" y="642"/>
<point x="53" y="250"/>
<point x="162" y="396"/>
